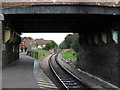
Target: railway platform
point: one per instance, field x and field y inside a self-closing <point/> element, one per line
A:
<point x="43" y="81"/>
<point x="25" y="73"/>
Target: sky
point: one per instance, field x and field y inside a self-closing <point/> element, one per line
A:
<point x="57" y="37"/>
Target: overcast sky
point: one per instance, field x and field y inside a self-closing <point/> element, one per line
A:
<point x="57" y="37"/>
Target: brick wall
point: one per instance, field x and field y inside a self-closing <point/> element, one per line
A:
<point x="10" y="54"/>
<point x="100" y="59"/>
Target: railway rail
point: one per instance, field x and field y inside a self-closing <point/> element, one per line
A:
<point x="68" y="80"/>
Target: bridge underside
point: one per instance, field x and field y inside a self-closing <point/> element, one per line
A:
<point x="99" y="33"/>
<point x="81" y="23"/>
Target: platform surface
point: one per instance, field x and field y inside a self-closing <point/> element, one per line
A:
<point x="25" y="73"/>
<point x="43" y="81"/>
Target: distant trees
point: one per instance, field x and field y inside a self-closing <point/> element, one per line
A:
<point x="39" y="39"/>
<point x="75" y="42"/>
<point x="63" y="45"/>
<point x="23" y="38"/>
<point x="70" y="41"/>
<point x="50" y="45"/>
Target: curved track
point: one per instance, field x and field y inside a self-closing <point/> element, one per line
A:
<point x="68" y="80"/>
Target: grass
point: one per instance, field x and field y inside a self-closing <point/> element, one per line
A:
<point x="42" y="54"/>
<point x="69" y="55"/>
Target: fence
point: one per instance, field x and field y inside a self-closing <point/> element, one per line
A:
<point x="33" y="54"/>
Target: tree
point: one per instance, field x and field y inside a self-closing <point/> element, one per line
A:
<point x="75" y="42"/>
<point x="54" y="44"/>
<point x="50" y="45"/>
<point x="23" y="38"/>
<point x="68" y="40"/>
<point x="63" y="45"/>
<point x="39" y="39"/>
<point x="36" y="44"/>
<point x="71" y="41"/>
<point x="47" y="46"/>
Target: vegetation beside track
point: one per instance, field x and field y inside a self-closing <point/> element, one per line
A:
<point x="41" y="54"/>
<point x="69" y="55"/>
<point x="71" y="42"/>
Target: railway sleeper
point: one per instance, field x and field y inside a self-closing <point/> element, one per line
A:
<point x="74" y="87"/>
<point x="71" y="84"/>
<point x="66" y="78"/>
<point x="68" y="81"/>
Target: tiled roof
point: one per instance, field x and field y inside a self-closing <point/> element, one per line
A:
<point x="42" y="42"/>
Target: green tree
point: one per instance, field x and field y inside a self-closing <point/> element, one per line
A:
<point x="39" y="39"/>
<point x="75" y="42"/>
<point x="54" y="44"/>
<point x="50" y="45"/>
<point x="23" y="38"/>
<point x="63" y="45"/>
<point x="68" y="40"/>
<point x="75" y="46"/>
<point x="36" y="44"/>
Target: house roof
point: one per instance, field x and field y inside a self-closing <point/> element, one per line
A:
<point x="14" y="3"/>
<point x="29" y="42"/>
<point x="42" y="42"/>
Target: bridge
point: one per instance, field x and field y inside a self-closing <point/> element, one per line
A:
<point x="97" y="23"/>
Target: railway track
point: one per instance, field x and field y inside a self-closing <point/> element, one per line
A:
<point x="67" y="79"/>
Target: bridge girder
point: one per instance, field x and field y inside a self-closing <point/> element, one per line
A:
<point x="62" y="9"/>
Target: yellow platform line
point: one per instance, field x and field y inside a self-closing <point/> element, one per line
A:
<point x="46" y="83"/>
<point x="41" y="85"/>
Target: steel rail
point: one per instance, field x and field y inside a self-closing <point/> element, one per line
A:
<point x="56" y="73"/>
<point x="68" y="80"/>
<point x="69" y="71"/>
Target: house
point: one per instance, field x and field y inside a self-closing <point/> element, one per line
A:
<point x="42" y="43"/>
<point x="31" y="44"/>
